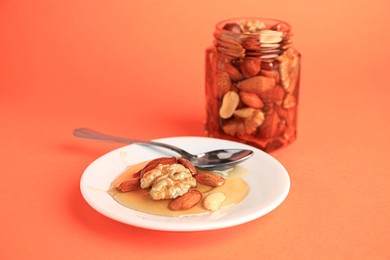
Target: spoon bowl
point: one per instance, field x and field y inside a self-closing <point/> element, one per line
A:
<point x="213" y="160"/>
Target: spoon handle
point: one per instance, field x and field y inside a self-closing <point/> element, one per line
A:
<point x="92" y="134"/>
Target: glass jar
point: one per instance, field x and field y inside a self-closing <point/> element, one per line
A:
<point x="252" y="83"/>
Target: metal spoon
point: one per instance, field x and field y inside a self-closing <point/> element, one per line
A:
<point x="213" y="160"/>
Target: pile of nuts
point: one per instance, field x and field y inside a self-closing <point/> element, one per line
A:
<point x="175" y="179"/>
<point x="252" y="79"/>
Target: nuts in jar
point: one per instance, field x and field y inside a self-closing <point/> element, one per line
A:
<point x="252" y="83"/>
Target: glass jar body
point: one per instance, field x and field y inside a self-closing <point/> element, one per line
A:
<point x="252" y="84"/>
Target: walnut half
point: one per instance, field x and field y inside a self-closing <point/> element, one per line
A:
<point x="168" y="181"/>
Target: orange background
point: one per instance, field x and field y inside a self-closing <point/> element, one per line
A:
<point x="136" y="68"/>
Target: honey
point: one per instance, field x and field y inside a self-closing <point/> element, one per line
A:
<point x="235" y="189"/>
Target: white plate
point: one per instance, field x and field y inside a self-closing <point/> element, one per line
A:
<point x="268" y="180"/>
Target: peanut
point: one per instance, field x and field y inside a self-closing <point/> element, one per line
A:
<point x="214" y="201"/>
<point x="229" y="104"/>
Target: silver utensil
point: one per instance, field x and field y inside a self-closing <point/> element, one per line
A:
<point x="212" y="160"/>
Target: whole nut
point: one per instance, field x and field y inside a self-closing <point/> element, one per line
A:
<point x="257" y="84"/>
<point x="128" y="185"/>
<point x="250" y="67"/>
<point x="210" y="179"/>
<point x="271" y="74"/>
<point x="275" y="94"/>
<point x="233" y="72"/>
<point x="213" y="201"/>
<point x="186" y="201"/>
<point x="186" y="163"/>
<point x="229" y="104"/>
<point x="244" y="113"/>
<point x="251" y="99"/>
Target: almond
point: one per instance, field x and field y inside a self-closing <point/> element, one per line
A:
<point x="210" y="179"/>
<point x="251" y="99"/>
<point x="188" y="165"/>
<point x="244" y="113"/>
<point x="128" y="185"/>
<point x="233" y="72"/>
<point x="271" y="74"/>
<point x="186" y="201"/>
<point x="250" y="67"/>
<point x="275" y="94"/>
<point x="137" y="174"/>
<point x="257" y="84"/>
<point x="154" y="163"/>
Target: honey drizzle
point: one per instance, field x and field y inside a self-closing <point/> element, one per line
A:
<point x="235" y="189"/>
